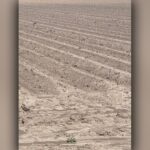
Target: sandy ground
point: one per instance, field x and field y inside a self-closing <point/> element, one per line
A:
<point x="74" y="77"/>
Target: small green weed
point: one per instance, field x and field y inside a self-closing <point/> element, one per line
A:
<point x="71" y="140"/>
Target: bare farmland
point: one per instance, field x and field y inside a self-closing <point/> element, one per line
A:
<point x="74" y="77"/>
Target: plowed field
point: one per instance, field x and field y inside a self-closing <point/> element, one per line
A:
<point x="74" y="77"/>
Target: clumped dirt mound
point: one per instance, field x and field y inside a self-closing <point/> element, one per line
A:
<point x="74" y="77"/>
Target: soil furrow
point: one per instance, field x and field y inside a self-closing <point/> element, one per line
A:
<point x="75" y="39"/>
<point x="85" y="53"/>
<point x="72" y="10"/>
<point x="110" y="43"/>
<point x="98" y="28"/>
<point x="81" y="21"/>
<point x="80" y="30"/>
<point x="86" y="15"/>
<point x="66" y="74"/>
<point x="80" y="62"/>
<point x="38" y="35"/>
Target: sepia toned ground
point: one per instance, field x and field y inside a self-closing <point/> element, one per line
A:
<point x="74" y="77"/>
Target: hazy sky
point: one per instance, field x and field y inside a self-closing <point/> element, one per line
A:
<point x="77" y="1"/>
